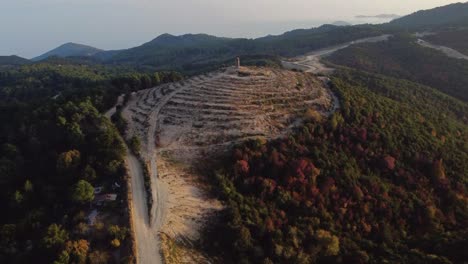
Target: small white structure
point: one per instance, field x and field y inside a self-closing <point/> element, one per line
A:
<point x="92" y="217"/>
<point x="237" y="62"/>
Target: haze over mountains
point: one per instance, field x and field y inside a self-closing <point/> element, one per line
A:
<point x="168" y="51"/>
<point x="391" y="16"/>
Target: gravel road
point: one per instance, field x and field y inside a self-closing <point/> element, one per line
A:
<point x="147" y="241"/>
<point x="446" y="50"/>
<point x="311" y="61"/>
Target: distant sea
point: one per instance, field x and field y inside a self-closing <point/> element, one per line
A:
<point x="259" y="29"/>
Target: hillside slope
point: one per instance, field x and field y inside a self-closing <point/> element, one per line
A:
<point x="402" y="57"/>
<point x="182" y="126"/>
<point x="13" y="60"/>
<point x="381" y="181"/>
<point x="456" y="39"/>
<point x="449" y="14"/>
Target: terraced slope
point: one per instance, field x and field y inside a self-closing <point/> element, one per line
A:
<point x="182" y="123"/>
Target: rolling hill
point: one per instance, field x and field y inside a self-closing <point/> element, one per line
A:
<point x="449" y="14"/>
<point x="70" y="50"/>
<point x="195" y="51"/>
<point x="13" y="60"/>
<point x="402" y="58"/>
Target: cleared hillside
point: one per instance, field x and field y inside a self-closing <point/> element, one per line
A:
<point x="183" y="123"/>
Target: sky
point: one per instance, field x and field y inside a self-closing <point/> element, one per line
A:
<point x="29" y="28"/>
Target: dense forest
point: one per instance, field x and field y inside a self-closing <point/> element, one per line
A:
<point x="62" y="78"/>
<point x="402" y="57"/>
<point x="383" y="180"/>
<point x="60" y="158"/>
<point x="443" y="16"/>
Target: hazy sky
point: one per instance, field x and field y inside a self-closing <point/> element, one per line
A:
<point x="31" y="27"/>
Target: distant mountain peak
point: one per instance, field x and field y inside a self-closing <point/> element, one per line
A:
<point x="70" y="49"/>
<point x="341" y="23"/>
<point x="13" y="60"/>
<point x="167" y="39"/>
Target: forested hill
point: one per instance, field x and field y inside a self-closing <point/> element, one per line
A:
<point x="55" y="148"/>
<point x="402" y="57"/>
<point x="69" y="50"/>
<point x="13" y="60"/>
<point x="179" y="52"/>
<point x="445" y="15"/>
<point x="454" y="38"/>
<point x="40" y="81"/>
<point x="383" y="180"/>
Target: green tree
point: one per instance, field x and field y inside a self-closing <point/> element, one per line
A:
<point x="28" y="186"/>
<point x="63" y="258"/>
<point x="330" y="244"/>
<point x="134" y="144"/>
<point x="55" y="236"/>
<point x="117" y="232"/>
<point x="83" y="192"/>
<point x="156" y="78"/>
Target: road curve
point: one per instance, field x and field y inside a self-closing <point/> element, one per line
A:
<point x="310" y="62"/>
<point x="452" y="53"/>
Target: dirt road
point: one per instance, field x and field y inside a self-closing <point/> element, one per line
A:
<point x="311" y="61"/>
<point x="446" y="50"/>
<point x="147" y="241"/>
<point x="146" y="237"/>
<point x="112" y="111"/>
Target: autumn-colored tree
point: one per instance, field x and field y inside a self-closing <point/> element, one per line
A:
<point x="115" y="243"/>
<point x="78" y="250"/>
<point x="242" y="167"/>
<point x="68" y="160"/>
<point x="438" y="170"/>
<point x="330" y="244"/>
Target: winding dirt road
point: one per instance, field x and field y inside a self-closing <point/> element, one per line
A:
<point x="446" y="50"/>
<point x="311" y="61"/>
